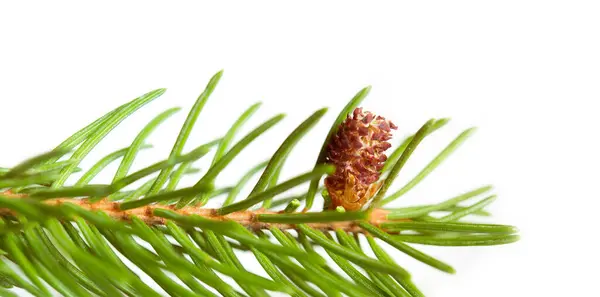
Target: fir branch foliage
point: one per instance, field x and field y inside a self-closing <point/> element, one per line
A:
<point x="106" y="240"/>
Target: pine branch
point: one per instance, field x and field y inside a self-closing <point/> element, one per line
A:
<point x="100" y="239"/>
<point x="252" y="219"/>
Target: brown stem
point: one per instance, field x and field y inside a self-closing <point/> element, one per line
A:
<point x="247" y="218"/>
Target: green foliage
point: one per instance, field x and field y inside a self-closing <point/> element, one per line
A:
<point x="161" y="232"/>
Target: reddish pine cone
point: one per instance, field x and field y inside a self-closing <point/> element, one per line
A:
<point x="357" y="151"/>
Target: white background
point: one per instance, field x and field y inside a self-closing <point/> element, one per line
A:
<point x="525" y="72"/>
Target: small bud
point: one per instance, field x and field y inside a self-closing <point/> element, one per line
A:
<point x="292" y="206"/>
<point x="357" y="151"/>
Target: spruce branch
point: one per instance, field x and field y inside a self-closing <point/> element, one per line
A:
<point x="156" y="214"/>
<point x="98" y="239"/>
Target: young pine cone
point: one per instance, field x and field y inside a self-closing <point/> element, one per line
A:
<point x="357" y="151"/>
